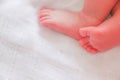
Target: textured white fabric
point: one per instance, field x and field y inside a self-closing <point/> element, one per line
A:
<point x="29" y="51"/>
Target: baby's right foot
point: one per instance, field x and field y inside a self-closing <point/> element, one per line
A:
<point x="104" y="37"/>
<point x="66" y="22"/>
<point x="101" y="38"/>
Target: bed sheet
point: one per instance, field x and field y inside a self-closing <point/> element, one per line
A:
<point x="29" y="51"/>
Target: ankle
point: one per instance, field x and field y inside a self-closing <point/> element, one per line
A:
<point x="92" y="18"/>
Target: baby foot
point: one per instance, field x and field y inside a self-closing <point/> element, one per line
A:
<point x="66" y="22"/>
<point x="103" y="37"/>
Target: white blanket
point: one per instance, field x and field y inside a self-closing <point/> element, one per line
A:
<point x="29" y="51"/>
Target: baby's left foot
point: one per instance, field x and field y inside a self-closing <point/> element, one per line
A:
<point x="67" y="22"/>
<point x="103" y="37"/>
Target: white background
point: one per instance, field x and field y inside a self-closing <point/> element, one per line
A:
<point x="29" y="51"/>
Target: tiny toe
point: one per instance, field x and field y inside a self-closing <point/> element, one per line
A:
<point x="94" y="51"/>
<point x="44" y="18"/>
<point x="43" y="8"/>
<point x="47" y="23"/>
<point x="47" y="10"/>
<point x="44" y="14"/>
<point x="89" y="48"/>
<point x="84" y="41"/>
<point x="86" y="45"/>
<point x="44" y="11"/>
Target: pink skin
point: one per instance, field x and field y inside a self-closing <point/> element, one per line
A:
<point x="66" y="22"/>
<point x="69" y="23"/>
<point x="103" y="37"/>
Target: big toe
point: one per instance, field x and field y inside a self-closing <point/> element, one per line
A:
<point x="45" y="12"/>
<point x="46" y="8"/>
